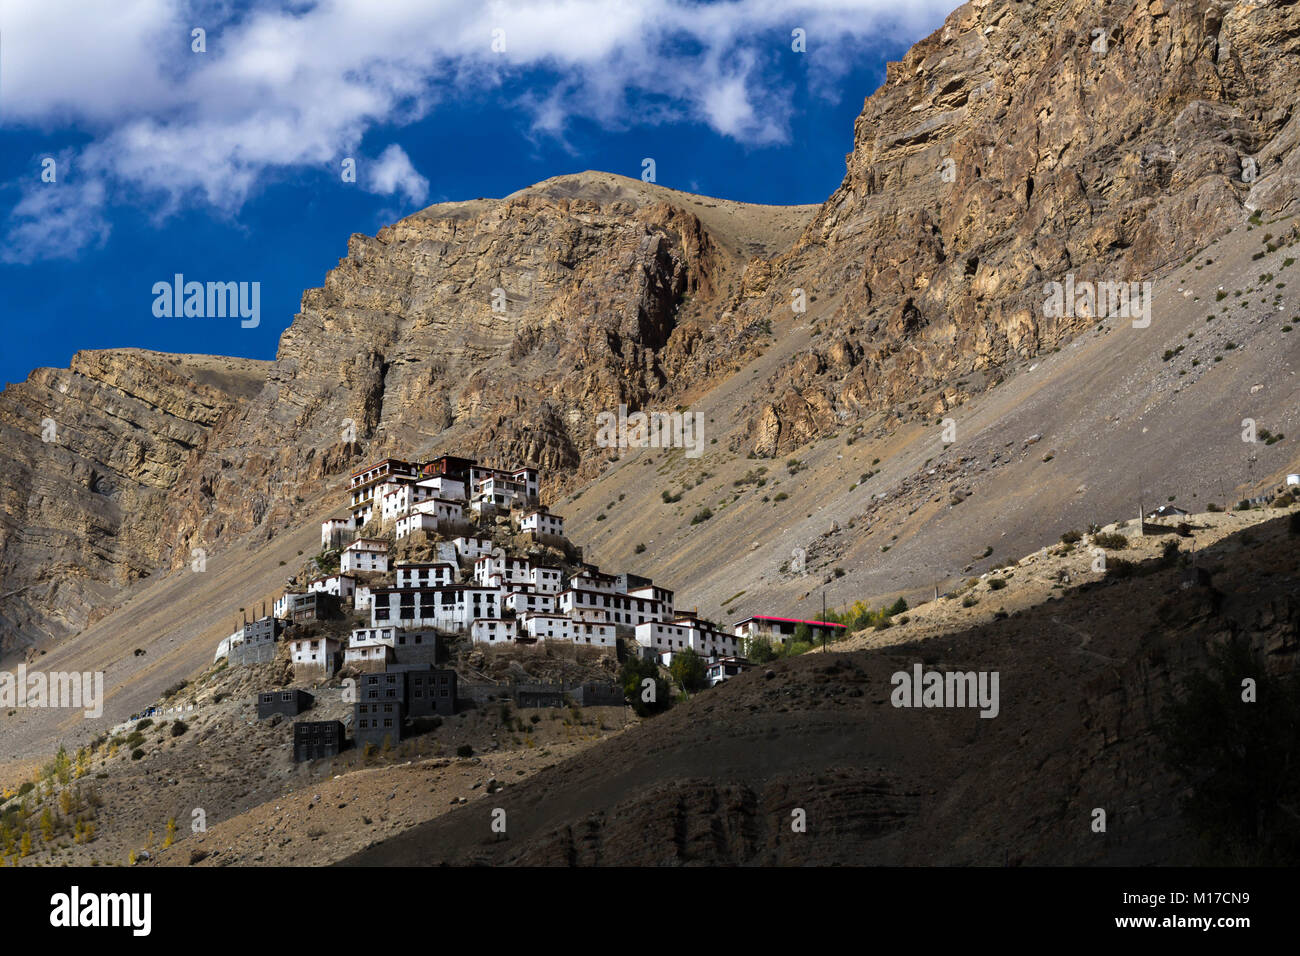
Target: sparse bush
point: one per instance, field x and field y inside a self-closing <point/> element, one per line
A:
<point x="464" y="750"/>
<point x="1111" y="541"/>
<point x="1071" y="537"/>
<point x="704" y="514"/>
<point x="997" y="584"/>
<point x="137" y="753"/>
<point x="179" y="727"/>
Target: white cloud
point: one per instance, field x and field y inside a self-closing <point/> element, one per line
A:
<point x="393" y="172"/>
<point x="298" y="84"/>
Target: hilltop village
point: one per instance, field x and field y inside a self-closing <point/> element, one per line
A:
<point x="440" y="560"/>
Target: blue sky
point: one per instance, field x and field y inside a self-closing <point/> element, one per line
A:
<point x="224" y="164"/>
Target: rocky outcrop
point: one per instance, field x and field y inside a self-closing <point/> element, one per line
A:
<point x="91" y="454"/>
<point x="501" y="326"/>
<point x="1017" y="144"/>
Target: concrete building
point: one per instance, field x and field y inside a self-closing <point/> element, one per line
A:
<point x="254" y="643"/>
<point x="314" y="739"/>
<point x="430" y="692"/>
<point x="378" y="723"/>
<point x="288" y="702"/>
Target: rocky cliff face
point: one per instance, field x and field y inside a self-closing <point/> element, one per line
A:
<point x="1020" y="143"/>
<point x="92" y="452"/>
<point x="498" y="326"/>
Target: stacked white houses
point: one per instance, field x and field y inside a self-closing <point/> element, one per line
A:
<point x="497" y="598"/>
<point x="473" y="588"/>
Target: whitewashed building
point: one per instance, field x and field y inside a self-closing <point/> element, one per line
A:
<point x="447" y="512"/>
<point x="540" y="521"/>
<point x="314" y="656"/>
<point x="340" y="585"/>
<point x="662" y="596"/>
<point x="625" y="609"/>
<point x="492" y="630"/>
<point x="522" y="602"/>
<point x="444" y="486"/>
<point x="724" y="668"/>
<point x="472" y="548"/>
<point x="397" y="499"/>
<point x="511" y="570"/>
<point x="547" y="580"/>
<point x="408" y="525"/>
<point x="365" y="554"/>
<point x="370" y="647"/>
<point x="452" y="608"/>
<point x="361" y="598"/>
<point x="335" y="532"/>
<point x="684" y="632"/>
<point x="368" y="485"/>
<point x="425" y="575"/>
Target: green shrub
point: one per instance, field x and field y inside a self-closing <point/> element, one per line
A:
<point x="179" y="728"/>
<point x="704" y="514"/>
<point x="1111" y="541"/>
<point x="137" y="753"/>
<point x="1071" y="537"/>
<point x="997" y="584"/>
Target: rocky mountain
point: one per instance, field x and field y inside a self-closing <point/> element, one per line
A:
<point x="1019" y="144"/>
<point x="91" y="454"/>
